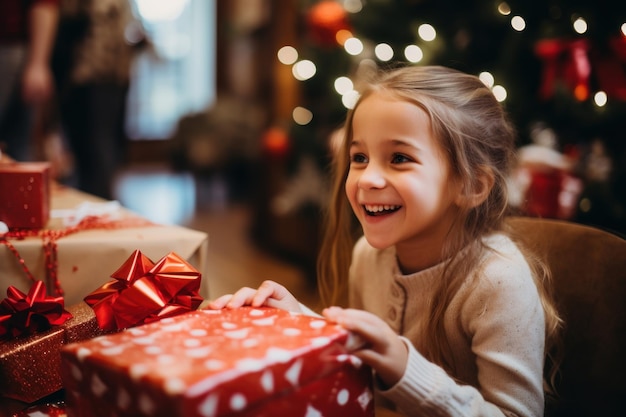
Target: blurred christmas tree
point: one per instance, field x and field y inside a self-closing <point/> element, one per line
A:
<point x="555" y="63"/>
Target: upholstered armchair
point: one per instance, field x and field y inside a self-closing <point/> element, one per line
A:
<point x="589" y="273"/>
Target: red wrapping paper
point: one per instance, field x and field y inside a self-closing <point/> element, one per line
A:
<point x="25" y="194"/>
<point x="30" y="366"/>
<point x="143" y="292"/>
<point x="247" y="361"/>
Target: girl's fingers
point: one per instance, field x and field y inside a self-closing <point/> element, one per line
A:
<point x="368" y="326"/>
<point x="220" y="302"/>
<point x="269" y="294"/>
<point x="383" y="350"/>
<point x="275" y="295"/>
<point x="266" y="291"/>
<point x="242" y="297"/>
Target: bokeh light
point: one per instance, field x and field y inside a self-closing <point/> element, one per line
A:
<point x="499" y="92"/>
<point x="600" y="98"/>
<point x="383" y="51"/>
<point x="487" y="78"/>
<point x="287" y="55"/>
<point x="427" y="32"/>
<point x="353" y="46"/>
<point x="302" y="116"/>
<point x="413" y="53"/>
<point x="304" y="70"/>
<point x="518" y="23"/>
<point x="580" y="25"/>
<point x="343" y="85"/>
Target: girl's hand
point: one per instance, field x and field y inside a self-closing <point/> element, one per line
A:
<point x="384" y="351"/>
<point x="269" y="293"/>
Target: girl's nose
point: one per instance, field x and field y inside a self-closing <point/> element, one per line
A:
<point x="372" y="177"/>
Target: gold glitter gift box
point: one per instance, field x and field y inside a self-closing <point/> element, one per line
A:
<point x="30" y="367"/>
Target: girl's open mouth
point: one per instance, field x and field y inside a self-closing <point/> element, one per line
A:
<point x="380" y="209"/>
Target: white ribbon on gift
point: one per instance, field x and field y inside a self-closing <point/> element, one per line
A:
<point x="71" y="217"/>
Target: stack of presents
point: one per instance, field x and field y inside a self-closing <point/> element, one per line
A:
<point x="141" y="343"/>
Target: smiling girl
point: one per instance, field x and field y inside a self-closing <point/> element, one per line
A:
<point x="457" y="317"/>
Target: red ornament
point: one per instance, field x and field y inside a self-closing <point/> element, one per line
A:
<point x="324" y="20"/>
<point x="275" y="141"/>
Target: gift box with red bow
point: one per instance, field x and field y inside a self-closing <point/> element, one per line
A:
<point x="25" y="194"/>
<point x="246" y="361"/>
<point x="33" y="327"/>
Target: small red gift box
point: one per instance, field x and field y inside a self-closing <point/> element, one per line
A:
<point x="246" y="361"/>
<point x="30" y="367"/>
<point x="25" y="194"/>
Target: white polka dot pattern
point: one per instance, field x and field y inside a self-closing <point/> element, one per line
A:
<point x="249" y="361"/>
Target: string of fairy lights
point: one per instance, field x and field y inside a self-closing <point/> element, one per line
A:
<point x="366" y="54"/>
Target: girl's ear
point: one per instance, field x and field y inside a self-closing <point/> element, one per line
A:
<point x="481" y="188"/>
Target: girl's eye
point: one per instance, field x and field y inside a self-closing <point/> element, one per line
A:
<point x="399" y="158"/>
<point x="358" y="158"/>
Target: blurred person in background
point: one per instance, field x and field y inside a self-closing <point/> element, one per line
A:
<point x="27" y="33"/>
<point x="92" y="62"/>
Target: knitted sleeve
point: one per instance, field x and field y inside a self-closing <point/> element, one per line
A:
<point x="502" y="320"/>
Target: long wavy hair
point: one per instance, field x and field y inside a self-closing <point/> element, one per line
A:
<point x="477" y="137"/>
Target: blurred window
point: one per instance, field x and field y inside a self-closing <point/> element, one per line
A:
<point x="175" y="74"/>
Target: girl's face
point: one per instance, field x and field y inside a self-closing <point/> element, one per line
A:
<point x="399" y="181"/>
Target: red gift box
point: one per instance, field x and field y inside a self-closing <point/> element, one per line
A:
<point x="246" y="361"/>
<point x="25" y="194"/>
<point x="30" y="367"/>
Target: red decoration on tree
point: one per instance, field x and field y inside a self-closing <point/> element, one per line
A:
<point x="324" y="20"/>
<point x="22" y="314"/>
<point x="275" y="141"/>
<point x="609" y="69"/>
<point x="566" y="62"/>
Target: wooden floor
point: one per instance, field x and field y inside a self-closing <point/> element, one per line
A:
<point x="234" y="259"/>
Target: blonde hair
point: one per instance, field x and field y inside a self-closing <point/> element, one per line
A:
<point x="477" y="137"/>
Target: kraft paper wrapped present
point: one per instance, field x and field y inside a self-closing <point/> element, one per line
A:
<point x="85" y="258"/>
<point x="33" y="328"/>
<point x="205" y="363"/>
<point x="25" y="194"/>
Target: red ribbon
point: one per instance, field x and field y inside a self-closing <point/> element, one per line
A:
<point x="610" y="69"/>
<point x="143" y="292"/>
<point x="50" y="238"/>
<point x="565" y="62"/>
<point x="22" y="314"/>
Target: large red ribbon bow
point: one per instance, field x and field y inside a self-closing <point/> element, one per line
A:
<point x="143" y="292"/>
<point x="26" y="314"/>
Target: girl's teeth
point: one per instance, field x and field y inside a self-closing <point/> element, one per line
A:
<point x="379" y="207"/>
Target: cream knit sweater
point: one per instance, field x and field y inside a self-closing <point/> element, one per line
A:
<point x="495" y="329"/>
